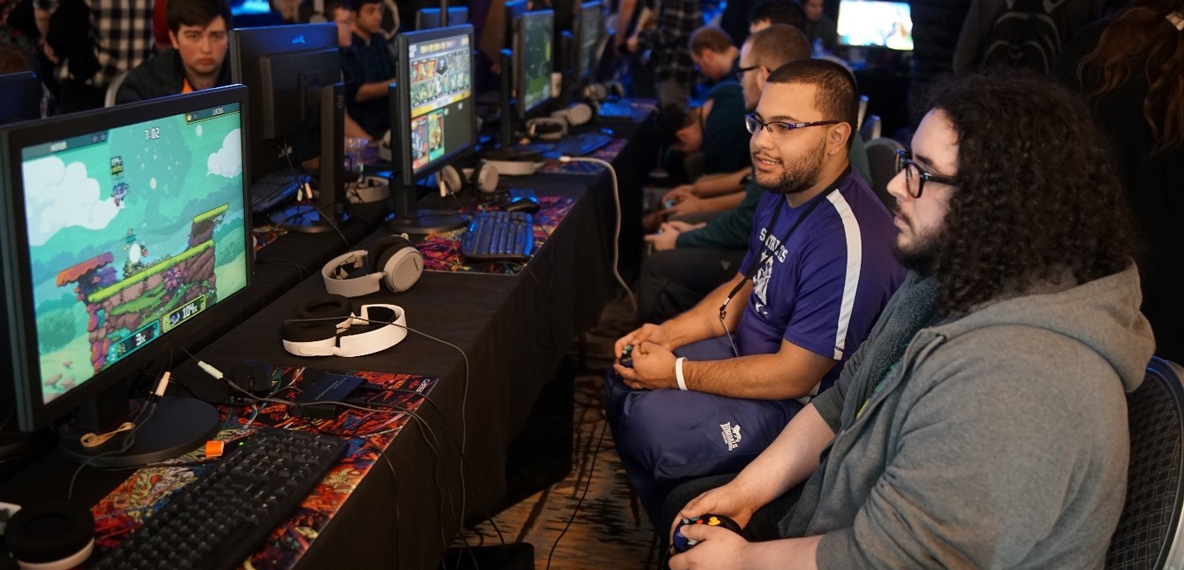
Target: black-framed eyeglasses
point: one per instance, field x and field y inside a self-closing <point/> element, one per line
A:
<point x="740" y="71"/>
<point x="914" y="177"/>
<point x="778" y="128"/>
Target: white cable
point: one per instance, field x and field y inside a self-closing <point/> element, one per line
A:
<point x="617" y="227"/>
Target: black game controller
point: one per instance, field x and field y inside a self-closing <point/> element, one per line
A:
<point x="627" y="357"/>
<point x="682" y="544"/>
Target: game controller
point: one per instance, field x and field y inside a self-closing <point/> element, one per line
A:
<point x="669" y="203"/>
<point x="682" y="543"/>
<point x="627" y="357"/>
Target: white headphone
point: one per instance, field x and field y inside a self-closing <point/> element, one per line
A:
<point x="392" y="261"/>
<point x="558" y="126"/>
<point x="484" y="178"/>
<point x="575" y="115"/>
<point x="318" y="332"/>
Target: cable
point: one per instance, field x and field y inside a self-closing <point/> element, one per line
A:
<point x="587" y="485"/>
<point x="616" y="227"/>
<point x="297" y="179"/>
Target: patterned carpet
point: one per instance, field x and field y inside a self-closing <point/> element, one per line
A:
<point x="610" y="529"/>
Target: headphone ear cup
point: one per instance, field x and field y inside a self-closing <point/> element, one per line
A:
<point x="380" y="246"/>
<point x="486" y="178"/>
<point x="401" y="267"/>
<point x="451" y="179"/>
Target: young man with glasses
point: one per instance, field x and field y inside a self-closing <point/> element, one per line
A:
<point x="818" y="271"/>
<point x="983" y="422"/>
<point x="200" y="33"/>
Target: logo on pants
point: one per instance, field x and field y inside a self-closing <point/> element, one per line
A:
<point x="731" y="435"/>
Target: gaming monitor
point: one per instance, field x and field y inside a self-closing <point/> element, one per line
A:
<point x="428" y="18"/>
<point x="589" y="25"/>
<point x="21" y="94"/>
<point x="533" y="60"/>
<point x="867" y="23"/>
<point x="122" y="229"/>
<point x="297" y="108"/>
<point x="434" y="107"/>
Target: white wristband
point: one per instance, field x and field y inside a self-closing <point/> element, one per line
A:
<point x="682" y="383"/>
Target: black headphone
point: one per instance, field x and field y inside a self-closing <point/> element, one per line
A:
<point x="51" y="536"/>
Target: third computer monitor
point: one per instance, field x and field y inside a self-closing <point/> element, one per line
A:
<point x="868" y="23"/>
<point x="435" y="95"/>
<point x="428" y="18"/>
<point x="533" y="60"/>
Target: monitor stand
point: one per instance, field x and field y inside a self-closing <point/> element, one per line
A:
<point x="408" y="219"/>
<point x="177" y="425"/>
<point x="328" y="214"/>
<point x="304" y="218"/>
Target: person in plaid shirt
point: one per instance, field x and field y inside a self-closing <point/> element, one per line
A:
<point x="673" y="65"/>
<point x="123" y="36"/>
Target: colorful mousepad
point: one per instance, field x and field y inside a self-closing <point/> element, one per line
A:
<point x="370" y="433"/>
<point x="441" y="252"/>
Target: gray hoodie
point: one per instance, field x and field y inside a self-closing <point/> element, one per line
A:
<point x="998" y="440"/>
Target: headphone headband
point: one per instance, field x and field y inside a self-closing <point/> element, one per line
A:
<point x="383" y="326"/>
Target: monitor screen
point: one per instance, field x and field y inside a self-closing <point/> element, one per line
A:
<point x="533" y="60"/>
<point x="591" y="24"/>
<point x="125" y="224"/>
<point x="439" y="111"/>
<point x="865" y="23"/>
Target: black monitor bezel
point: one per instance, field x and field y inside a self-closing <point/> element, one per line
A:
<point x="519" y="70"/>
<point x="32" y="412"/>
<point x="581" y="73"/>
<point x="402" y="89"/>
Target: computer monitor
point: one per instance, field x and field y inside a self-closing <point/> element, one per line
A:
<point x="436" y="114"/>
<point x="867" y="23"/>
<point x="21" y="93"/>
<point x="297" y="111"/>
<point x="124" y="230"/>
<point x="589" y="29"/>
<point x="428" y="18"/>
<point x="533" y="41"/>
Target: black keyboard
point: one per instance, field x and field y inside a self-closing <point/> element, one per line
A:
<point x="498" y="236"/>
<point x="218" y="520"/>
<point x="274" y="189"/>
<point x="577" y="145"/>
<point x="623" y="111"/>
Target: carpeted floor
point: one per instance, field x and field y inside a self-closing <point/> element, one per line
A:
<point x="610" y="530"/>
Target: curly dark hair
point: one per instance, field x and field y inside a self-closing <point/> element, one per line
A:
<point x="1037" y="199"/>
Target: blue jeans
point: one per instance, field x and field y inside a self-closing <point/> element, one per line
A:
<point x="667" y="437"/>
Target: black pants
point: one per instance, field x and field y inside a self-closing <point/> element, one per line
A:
<point x="762" y="526"/>
<point x="675" y="280"/>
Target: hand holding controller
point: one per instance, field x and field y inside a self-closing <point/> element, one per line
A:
<point x="627" y="357"/>
<point x="682" y="544"/>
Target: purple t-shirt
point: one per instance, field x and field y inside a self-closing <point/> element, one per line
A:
<point x="823" y="289"/>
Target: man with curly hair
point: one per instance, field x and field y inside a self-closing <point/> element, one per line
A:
<point x="983" y="422"/>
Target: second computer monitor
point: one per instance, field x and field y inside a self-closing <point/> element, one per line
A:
<point x="867" y="23"/>
<point x="428" y="18"/>
<point x="533" y="60"/>
<point x="21" y="94"/>
<point x="591" y="24"/>
<point x="435" y="99"/>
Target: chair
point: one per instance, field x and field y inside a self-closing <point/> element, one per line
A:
<point x="881" y="157"/>
<point x="863" y="102"/>
<point x="870" y="129"/>
<point x="1148" y="533"/>
<point x="113" y="89"/>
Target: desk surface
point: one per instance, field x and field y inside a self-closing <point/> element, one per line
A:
<point x="513" y="330"/>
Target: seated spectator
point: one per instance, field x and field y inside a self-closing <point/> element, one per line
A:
<point x="369" y="70"/>
<point x="1129" y="70"/>
<point x="773" y="12"/>
<point x="819" y="27"/>
<point x="983" y="423"/>
<point x="199" y="34"/>
<point x="714" y="54"/>
<point x="818" y="271"/>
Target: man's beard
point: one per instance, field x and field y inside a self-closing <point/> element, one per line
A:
<point x="802" y="175"/>
<point x="921" y="255"/>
